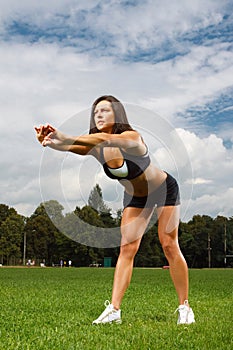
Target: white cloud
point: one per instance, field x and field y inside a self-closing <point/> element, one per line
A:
<point x="212" y="204"/>
<point x="227" y="109"/>
<point x="212" y="166"/>
<point x="198" y="181"/>
<point x="209" y="188"/>
<point x="225" y="131"/>
<point x="208" y="156"/>
<point x="115" y="27"/>
<point x="192" y="80"/>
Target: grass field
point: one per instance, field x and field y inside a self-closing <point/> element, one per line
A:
<point x="53" y="308"/>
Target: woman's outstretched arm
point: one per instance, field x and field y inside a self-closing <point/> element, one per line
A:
<point x="127" y="139"/>
<point x="53" y="138"/>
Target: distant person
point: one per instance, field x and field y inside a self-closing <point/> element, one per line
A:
<point x="124" y="156"/>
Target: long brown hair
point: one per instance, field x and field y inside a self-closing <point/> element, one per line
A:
<point x="121" y="120"/>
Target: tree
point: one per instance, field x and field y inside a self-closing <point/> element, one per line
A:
<point x="187" y="243"/>
<point x="220" y="223"/>
<point x="229" y="242"/>
<point x="96" y="201"/>
<point x="194" y="240"/>
<point x="11" y="238"/>
<point x="52" y="236"/>
<point x="54" y="211"/>
<point x="5" y="212"/>
<point x="41" y="234"/>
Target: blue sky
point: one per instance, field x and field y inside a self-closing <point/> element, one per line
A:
<point x="172" y="58"/>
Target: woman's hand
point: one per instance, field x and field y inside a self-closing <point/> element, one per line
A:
<point x="49" y="136"/>
<point x="42" y="131"/>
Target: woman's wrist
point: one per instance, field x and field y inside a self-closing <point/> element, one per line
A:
<point x="67" y="140"/>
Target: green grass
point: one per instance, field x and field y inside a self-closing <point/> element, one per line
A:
<point x="53" y="309"/>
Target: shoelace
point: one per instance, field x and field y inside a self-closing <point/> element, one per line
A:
<point x="104" y="313"/>
<point x="107" y="303"/>
<point x="186" y="303"/>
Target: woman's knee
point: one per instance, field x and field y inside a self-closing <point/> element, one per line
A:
<point x="170" y="247"/>
<point x="129" y="250"/>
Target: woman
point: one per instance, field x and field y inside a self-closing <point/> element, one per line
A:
<point x="124" y="156"/>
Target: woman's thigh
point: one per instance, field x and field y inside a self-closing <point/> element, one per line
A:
<point x="134" y="223"/>
<point x="168" y="222"/>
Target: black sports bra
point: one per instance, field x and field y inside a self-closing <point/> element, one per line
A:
<point x="132" y="167"/>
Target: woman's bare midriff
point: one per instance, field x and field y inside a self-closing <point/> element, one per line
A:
<point x="145" y="183"/>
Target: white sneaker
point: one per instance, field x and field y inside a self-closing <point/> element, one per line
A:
<point x="109" y="315"/>
<point x="186" y="315"/>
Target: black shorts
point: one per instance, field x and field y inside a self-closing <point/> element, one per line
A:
<point x="165" y="195"/>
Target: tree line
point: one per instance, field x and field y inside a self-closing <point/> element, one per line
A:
<point x="204" y="241"/>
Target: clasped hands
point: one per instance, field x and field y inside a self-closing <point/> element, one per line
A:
<point x="47" y="135"/>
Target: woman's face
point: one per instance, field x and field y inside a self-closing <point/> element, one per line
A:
<point x="104" y="116"/>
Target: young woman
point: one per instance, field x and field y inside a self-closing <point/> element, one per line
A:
<point x="124" y="156"/>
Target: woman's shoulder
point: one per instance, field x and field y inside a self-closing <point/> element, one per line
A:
<point x="132" y="134"/>
<point x="140" y="148"/>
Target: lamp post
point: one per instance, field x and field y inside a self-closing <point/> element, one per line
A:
<point x="225" y="244"/>
<point x="209" y="251"/>
<point x="24" y="247"/>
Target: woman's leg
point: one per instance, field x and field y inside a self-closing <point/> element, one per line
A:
<point x="168" y="222"/>
<point x="133" y="225"/>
